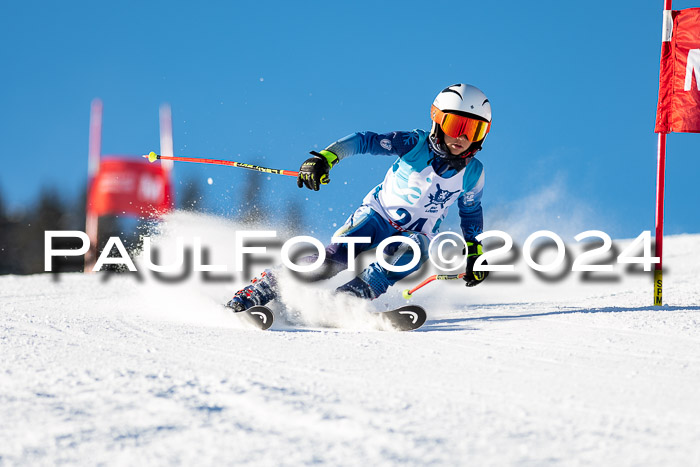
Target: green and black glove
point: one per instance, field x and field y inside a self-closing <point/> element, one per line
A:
<point x="472" y="277"/>
<point x="314" y="171"/>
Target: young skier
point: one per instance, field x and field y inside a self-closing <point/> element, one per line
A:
<point x="433" y="170"/>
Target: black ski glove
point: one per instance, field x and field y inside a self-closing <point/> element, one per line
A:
<point x="314" y="171"/>
<point x="472" y="277"/>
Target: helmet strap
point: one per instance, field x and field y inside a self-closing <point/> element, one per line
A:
<point x="472" y="150"/>
<point x="437" y="141"/>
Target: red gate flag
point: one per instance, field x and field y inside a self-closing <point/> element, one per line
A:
<point x="679" y="81"/>
<point x="127" y="186"/>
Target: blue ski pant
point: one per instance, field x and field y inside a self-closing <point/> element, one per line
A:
<point x="365" y="222"/>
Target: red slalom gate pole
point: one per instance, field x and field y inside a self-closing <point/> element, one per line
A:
<point x="659" y="235"/>
<point x="661" y="174"/>
<point x="152" y="157"/>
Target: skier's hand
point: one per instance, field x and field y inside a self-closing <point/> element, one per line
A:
<point x="314" y="171"/>
<point x="472" y="277"/>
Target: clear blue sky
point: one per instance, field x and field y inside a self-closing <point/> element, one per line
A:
<point x="573" y="87"/>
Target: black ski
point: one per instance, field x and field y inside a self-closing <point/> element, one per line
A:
<point x="259" y="316"/>
<point x="405" y="318"/>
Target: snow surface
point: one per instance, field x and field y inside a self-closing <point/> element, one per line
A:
<point x="100" y="369"/>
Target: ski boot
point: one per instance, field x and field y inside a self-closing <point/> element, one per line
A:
<point x="259" y="292"/>
<point x="357" y="288"/>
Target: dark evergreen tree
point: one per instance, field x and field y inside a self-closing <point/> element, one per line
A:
<point x="5" y="237"/>
<point x="48" y="213"/>
<point x="192" y="198"/>
<point x="251" y="203"/>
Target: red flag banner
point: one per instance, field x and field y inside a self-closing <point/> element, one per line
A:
<point x="679" y="80"/>
<point x="127" y="186"/>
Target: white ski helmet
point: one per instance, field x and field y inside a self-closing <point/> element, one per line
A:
<point x="460" y="109"/>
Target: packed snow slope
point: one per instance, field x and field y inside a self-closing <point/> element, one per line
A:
<point x="100" y="369"/>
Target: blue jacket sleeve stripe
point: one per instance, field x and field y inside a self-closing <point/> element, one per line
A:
<point x="397" y="143"/>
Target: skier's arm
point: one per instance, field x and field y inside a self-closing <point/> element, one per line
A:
<point x="472" y="223"/>
<point x="471" y="220"/>
<point x="315" y="170"/>
<point x="470" y="213"/>
<point x="397" y="143"/>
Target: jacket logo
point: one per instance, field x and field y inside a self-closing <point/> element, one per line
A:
<point x="441" y="197"/>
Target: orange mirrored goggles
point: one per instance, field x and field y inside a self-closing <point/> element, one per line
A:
<point x="458" y="125"/>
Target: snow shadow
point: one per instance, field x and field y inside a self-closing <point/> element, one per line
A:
<point x="461" y="324"/>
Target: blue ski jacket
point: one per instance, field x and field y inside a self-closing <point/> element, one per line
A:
<point x="418" y="175"/>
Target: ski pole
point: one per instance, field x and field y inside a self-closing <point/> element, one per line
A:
<point x="152" y="157"/>
<point x="437" y="277"/>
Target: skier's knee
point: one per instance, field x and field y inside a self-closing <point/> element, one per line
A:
<point x="402" y="253"/>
